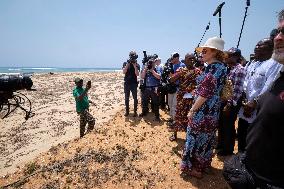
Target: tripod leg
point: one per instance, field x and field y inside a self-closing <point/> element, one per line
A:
<point x="8" y="110"/>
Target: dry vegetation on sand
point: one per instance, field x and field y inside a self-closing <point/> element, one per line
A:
<point x="124" y="153"/>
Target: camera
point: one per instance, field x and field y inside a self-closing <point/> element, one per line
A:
<point x="89" y="83"/>
<point x="132" y="58"/>
<point x="15" y="82"/>
<point x="150" y="64"/>
<point x="167" y="70"/>
<point x="147" y="58"/>
<point x="9" y="86"/>
<point x="166" y="85"/>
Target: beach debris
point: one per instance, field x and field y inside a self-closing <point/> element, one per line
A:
<point x="51" y="185"/>
<point x="30" y="168"/>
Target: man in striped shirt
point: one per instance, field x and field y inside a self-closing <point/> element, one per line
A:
<point x="226" y="130"/>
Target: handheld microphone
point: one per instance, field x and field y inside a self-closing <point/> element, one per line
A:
<point x="218" y="9"/>
<point x="207" y="27"/>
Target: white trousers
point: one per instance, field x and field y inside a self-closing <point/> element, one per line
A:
<point x="172" y="102"/>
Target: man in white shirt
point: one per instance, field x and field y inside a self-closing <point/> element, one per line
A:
<point x="256" y="76"/>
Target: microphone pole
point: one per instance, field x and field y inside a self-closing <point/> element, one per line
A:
<point x="219" y="10"/>
<point x="220" y="24"/>
<point x="207" y="28"/>
<point x="248" y="4"/>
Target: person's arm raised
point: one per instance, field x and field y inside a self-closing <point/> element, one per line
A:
<point x="155" y="74"/>
<point x="125" y="67"/>
<point x="136" y="69"/>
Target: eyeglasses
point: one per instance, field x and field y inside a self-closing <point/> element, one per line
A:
<point x="204" y="51"/>
<point x="280" y="30"/>
<point x="230" y="55"/>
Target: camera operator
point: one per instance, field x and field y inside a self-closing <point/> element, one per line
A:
<point x="165" y="84"/>
<point x="161" y="91"/>
<point x="131" y="71"/>
<point x="151" y="73"/>
<point x="82" y="105"/>
<point x="172" y="95"/>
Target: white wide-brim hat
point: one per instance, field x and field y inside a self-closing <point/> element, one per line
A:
<point x="212" y="43"/>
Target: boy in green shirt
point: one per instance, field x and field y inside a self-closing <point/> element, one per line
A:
<point x="82" y="106"/>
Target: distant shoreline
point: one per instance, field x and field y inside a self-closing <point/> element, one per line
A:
<point x="36" y="70"/>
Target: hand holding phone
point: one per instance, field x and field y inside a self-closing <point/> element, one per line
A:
<point x="88" y="85"/>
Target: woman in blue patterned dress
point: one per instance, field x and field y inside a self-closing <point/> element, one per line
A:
<point x="204" y="114"/>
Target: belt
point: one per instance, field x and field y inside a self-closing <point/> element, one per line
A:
<point x="151" y="87"/>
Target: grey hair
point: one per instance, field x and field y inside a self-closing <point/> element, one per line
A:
<point x="281" y="15"/>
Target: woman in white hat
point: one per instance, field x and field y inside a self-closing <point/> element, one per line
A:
<point x="204" y="113"/>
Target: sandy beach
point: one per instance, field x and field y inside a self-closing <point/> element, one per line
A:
<point x="122" y="152"/>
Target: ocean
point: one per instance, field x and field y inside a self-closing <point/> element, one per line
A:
<point x="30" y="70"/>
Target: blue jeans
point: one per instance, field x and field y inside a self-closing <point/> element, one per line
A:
<point x="133" y="88"/>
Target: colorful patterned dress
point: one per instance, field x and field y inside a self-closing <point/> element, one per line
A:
<point x="187" y="80"/>
<point x="200" y="137"/>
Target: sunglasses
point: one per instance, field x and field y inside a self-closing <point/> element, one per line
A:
<point x="230" y="55"/>
<point x="204" y="51"/>
<point x="280" y="30"/>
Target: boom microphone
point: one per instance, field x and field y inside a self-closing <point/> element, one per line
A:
<point x="218" y="9"/>
<point x="248" y="3"/>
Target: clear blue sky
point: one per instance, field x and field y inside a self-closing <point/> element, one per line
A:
<point x="100" y="33"/>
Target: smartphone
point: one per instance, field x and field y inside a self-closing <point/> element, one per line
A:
<point x="89" y="84"/>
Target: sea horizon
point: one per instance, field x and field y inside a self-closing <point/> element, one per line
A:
<point x="31" y="70"/>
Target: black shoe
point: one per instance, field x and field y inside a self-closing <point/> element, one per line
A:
<point x="126" y="113"/>
<point x="224" y="153"/>
<point x="171" y="124"/>
<point x="173" y="137"/>
<point x="170" y="120"/>
<point x="157" y="119"/>
<point x="142" y="114"/>
<point x="218" y="147"/>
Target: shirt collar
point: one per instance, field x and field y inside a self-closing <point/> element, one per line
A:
<point x="235" y="66"/>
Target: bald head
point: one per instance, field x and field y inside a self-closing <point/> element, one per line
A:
<point x="263" y="49"/>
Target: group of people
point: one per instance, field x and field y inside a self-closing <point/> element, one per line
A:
<point x="206" y="96"/>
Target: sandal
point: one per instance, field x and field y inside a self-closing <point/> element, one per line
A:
<point x="171" y="129"/>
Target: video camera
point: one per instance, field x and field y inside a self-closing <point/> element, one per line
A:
<point x="166" y="85"/>
<point x="15" y="82"/>
<point x="132" y="58"/>
<point x="10" y="99"/>
<point x="148" y="60"/>
<point x="12" y="83"/>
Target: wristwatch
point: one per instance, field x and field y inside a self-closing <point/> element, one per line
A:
<point x="255" y="100"/>
<point x="192" y="111"/>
